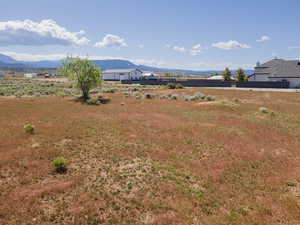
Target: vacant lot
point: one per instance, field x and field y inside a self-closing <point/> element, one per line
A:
<point x="152" y="161"/>
<point x="61" y="87"/>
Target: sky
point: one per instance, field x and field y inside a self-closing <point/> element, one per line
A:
<point x="183" y="34"/>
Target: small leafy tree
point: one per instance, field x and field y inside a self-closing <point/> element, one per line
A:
<point x="84" y="73"/>
<point x="241" y="76"/>
<point x="227" y="75"/>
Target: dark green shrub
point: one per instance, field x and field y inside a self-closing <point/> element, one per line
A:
<point x="92" y="101"/>
<point x="171" y="86"/>
<point x="174" y="97"/>
<point x="264" y="110"/>
<point x="179" y="86"/>
<point x="109" y="91"/>
<point x="210" y="98"/>
<point x="103" y="100"/>
<point x="60" y="165"/>
<point x="199" y="96"/>
<point x="149" y="96"/>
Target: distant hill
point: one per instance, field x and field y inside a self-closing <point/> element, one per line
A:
<point x="7" y="59"/>
<point x="9" y="62"/>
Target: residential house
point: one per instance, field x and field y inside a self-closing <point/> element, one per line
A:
<point x="30" y="75"/>
<point x="122" y="74"/>
<point x="278" y="70"/>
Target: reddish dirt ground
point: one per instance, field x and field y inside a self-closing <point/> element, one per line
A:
<point x="138" y="161"/>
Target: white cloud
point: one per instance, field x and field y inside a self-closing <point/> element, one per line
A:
<point x="141" y="46"/>
<point x="196" y="50"/>
<point x="33" y="58"/>
<point x="293" y="47"/>
<point x="264" y="38"/>
<point x="230" y="45"/>
<point x="45" y="32"/>
<point x="168" y="46"/>
<point x="198" y="46"/>
<point x="111" y="40"/>
<point x="179" y="49"/>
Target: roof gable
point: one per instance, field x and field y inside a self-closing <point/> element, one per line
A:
<point x="279" y="68"/>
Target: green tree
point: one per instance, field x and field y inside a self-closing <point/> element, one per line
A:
<point x="241" y="75"/>
<point x="168" y="74"/>
<point x="84" y="73"/>
<point x="227" y="75"/>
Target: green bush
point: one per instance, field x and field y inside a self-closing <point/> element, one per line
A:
<point x="264" y="110"/>
<point x="199" y="96"/>
<point x="109" y="90"/>
<point x="174" y="97"/>
<point x="29" y="129"/>
<point x="92" y="101"/>
<point x="179" y="86"/>
<point x="174" y="86"/>
<point x="186" y="98"/>
<point x="267" y="111"/>
<point x="210" y="98"/>
<point x="103" y="100"/>
<point x="149" y="96"/>
<point x="171" y="86"/>
<point x="60" y="165"/>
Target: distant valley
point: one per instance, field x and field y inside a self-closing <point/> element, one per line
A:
<point x="7" y="62"/>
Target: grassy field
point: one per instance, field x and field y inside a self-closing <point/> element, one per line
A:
<point x="152" y="161"/>
<point x="61" y="87"/>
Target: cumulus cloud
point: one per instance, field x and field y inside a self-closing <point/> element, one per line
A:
<point x="230" y="45"/>
<point x="111" y="40"/>
<point x="263" y="38"/>
<point x="45" y="32"/>
<point x="179" y="49"/>
<point x="196" y="50"/>
<point x="140" y="46"/>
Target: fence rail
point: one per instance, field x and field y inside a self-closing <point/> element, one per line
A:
<point x="212" y="83"/>
<point x="263" y="84"/>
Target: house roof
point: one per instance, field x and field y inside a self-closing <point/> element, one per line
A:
<point x="121" y="71"/>
<point x="145" y="74"/>
<point x="218" y="77"/>
<point x="279" y="68"/>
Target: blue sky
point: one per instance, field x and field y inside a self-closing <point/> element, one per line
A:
<point x="190" y="34"/>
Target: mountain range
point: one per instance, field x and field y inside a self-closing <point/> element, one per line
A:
<point x="9" y="62"/>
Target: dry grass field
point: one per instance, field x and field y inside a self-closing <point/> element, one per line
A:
<point x="152" y="161"/>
